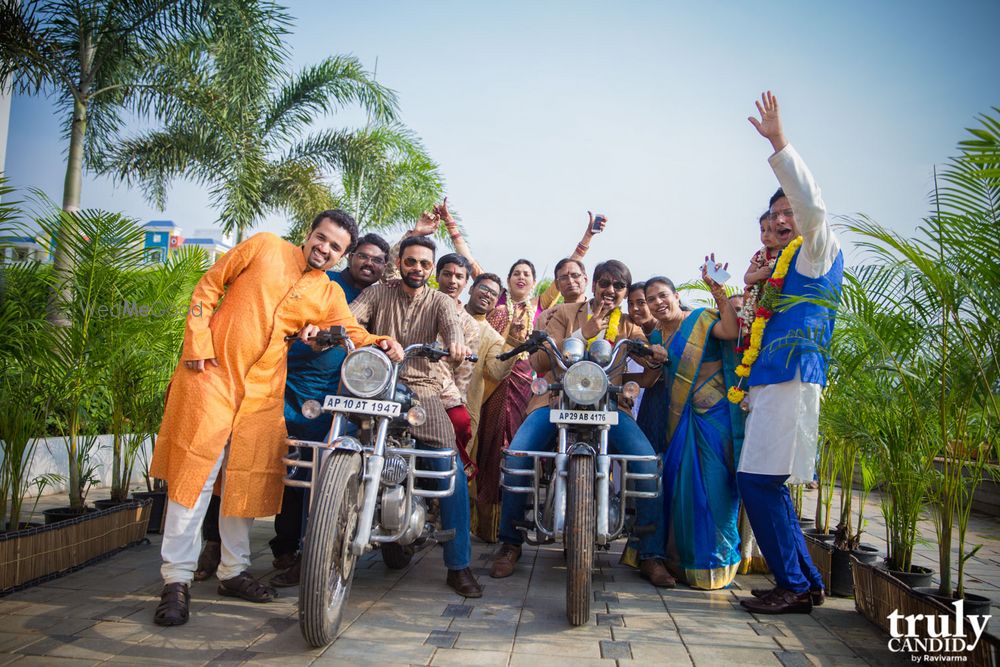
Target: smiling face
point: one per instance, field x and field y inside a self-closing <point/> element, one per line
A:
<point x="520" y="282"/>
<point x="367" y="264"/>
<point x="452" y="279"/>
<point x="483" y="296"/>
<point x="664" y="304"/>
<point x="609" y="290"/>
<point x="415" y="265"/>
<point x="638" y="311"/>
<point x="326" y="244"/>
<point x="783" y="222"/>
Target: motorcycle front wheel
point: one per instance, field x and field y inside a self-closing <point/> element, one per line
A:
<point x="327" y="561"/>
<point x="579" y="534"/>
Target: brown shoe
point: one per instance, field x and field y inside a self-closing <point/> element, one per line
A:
<point x="284" y="561"/>
<point x="780" y="602"/>
<point x="173" y="608"/>
<point x="818" y="595"/>
<point x="465" y="583"/>
<point x="208" y="561"/>
<point x="503" y="564"/>
<point x="289" y="577"/>
<point x="654" y="571"/>
<point x="246" y="587"/>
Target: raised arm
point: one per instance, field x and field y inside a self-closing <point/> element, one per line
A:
<point x="804" y="196"/>
<point x="457" y="240"/>
<point x="426" y="226"/>
<point x="198" y="343"/>
<point x="551" y="293"/>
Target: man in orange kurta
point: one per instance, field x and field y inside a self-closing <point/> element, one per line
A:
<point x="224" y="412"/>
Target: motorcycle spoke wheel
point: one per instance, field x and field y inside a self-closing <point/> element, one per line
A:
<point x="327" y="561"/>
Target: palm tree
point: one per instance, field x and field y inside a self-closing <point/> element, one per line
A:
<point x="245" y="142"/>
<point x="98" y="58"/>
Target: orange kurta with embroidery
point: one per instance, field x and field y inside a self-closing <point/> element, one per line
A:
<point x="270" y="292"/>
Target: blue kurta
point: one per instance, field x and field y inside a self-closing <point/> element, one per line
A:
<point x="313" y="375"/>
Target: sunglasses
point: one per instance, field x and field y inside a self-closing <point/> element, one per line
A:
<point x="605" y="283"/>
<point x="411" y="262"/>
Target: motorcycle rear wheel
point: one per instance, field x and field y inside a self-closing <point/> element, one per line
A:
<point x="581" y="526"/>
<point x="327" y="561"/>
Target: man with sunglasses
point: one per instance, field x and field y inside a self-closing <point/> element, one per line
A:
<point x="417" y="314"/>
<point x="310" y="374"/>
<point x="601" y="317"/>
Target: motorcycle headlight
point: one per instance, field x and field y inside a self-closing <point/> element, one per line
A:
<point x="366" y="372"/>
<point x="600" y="352"/>
<point x="572" y="350"/>
<point x="585" y="383"/>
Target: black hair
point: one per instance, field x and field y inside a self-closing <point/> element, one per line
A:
<point x="766" y="215"/>
<point x="531" y="266"/>
<point x="778" y="194"/>
<point x="662" y="280"/>
<point x="421" y="241"/>
<point x="567" y="260"/>
<point x="635" y="287"/>
<point x="487" y="276"/>
<point x="374" y="239"/>
<point x="615" y="269"/>
<point x="454" y="258"/>
<point x="342" y="220"/>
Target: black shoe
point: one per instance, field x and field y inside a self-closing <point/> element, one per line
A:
<point x="289" y="577"/>
<point x="780" y="602"/>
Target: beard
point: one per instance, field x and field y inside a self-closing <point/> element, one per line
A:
<point x="413" y="281"/>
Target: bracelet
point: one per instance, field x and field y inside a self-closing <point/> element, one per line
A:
<point x="582" y="249"/>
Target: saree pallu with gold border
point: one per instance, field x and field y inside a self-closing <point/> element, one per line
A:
<point x="698" y="432"/>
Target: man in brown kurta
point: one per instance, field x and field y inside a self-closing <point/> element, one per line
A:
<point x="223" y="416"/>
<point x="411" y="312"/>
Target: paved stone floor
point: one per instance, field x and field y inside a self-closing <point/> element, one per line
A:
<point x="103" y="614"/>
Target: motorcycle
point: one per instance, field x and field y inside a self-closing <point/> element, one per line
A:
<point x="573" y="497"/>
<point x="368" y="490"/>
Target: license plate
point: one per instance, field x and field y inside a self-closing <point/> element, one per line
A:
<point x="361" y="406"/>
<point x="583" y="417"/>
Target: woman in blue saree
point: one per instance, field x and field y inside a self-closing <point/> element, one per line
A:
<point x="689" y="420"/>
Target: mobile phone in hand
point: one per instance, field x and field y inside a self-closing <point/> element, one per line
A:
<point x="719" y="275"/>
<point x="595" y="228"/>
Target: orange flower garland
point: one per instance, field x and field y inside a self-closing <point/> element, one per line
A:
<point x="765" y="309"/>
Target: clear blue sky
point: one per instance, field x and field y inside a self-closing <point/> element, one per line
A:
<point x="538" y="111"/>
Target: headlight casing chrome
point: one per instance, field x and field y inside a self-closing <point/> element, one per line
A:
<point x="600" y="352"/>
<point x="585" y="383"/>
<point x="366" y="372"/>
<point x="572" y="350"/>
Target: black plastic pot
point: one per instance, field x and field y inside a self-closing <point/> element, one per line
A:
<point x="57" y="514"/>
<point x="23" y="525"/>
<point x="917" y="576"/>
<point x="817" y="534"/>
<point x="866" y="553"/>
<point x="157" y="512"/>
<point x="975" y="605"/>
<point x="108" y="503"/>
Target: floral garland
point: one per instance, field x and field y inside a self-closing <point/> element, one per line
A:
<point x="765" y="309"/>
<point x="613" y="322"/>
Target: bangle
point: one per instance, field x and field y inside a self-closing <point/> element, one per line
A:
<point x="582" y="249"/>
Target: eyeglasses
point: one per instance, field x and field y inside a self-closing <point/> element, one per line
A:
<point x="604" y="283"/>
<point x="364" y="257"/>
<point x="786" y="213"/>
<point x="411" y="262"/>
<point x="488" y="290"/>
<point x="569" y="277"/>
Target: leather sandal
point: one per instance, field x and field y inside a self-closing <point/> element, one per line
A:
<point x="246" y="587"/>
<point x="208" y="561"/>
<point x="175" y="600"/>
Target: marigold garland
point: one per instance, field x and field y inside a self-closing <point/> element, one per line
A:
<point x="613" y="322"/>
<point x="766" y="306"/>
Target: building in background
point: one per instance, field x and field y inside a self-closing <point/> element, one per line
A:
<point x="162" y="237"/>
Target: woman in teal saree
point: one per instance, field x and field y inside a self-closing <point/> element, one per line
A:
<point x="689" y="420"/>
